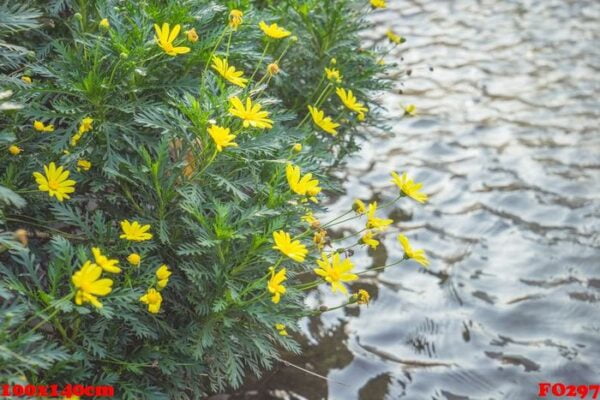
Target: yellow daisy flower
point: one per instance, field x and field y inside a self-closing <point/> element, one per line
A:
<point x="409" y="188"/>
<point x="416" y="254"/>
<point x="394" y="38"/>
<point x="134" y="231"/>
<point x="319" y="239"/>
<point x="251" y="114"/>
<point x="373" y="222"/>
<point x="221" y="137"/>
<point x="14" y="150"/>
<point x="89" y="286"/>
<point x="228" y="72"/>
<point x="162" y="275"/>
<point x="164" y="38"/>
<point x="274" y="285"/>
<point x="274" y="31"/>
<point x="410" y="110"/>
<point x="104" y="262"/>
<point x="272" y="69"/>
<point x="333" y="75"/>
<point x="305" y="185"/>
<point x="153" y="299"/>
<point x="235" y="19"/>
<point x="325" y="123"/>
<point x="84" y="165"/>
<point x="336" y="271"/>
<point x="359" y="207"/>
<point x="350" y="101"/>
<point x="55" y="182"/>
<point x="192" y="35"/>
<point x="310" y="219"/>
<point x="369" y="239"/>
<point x="363" y="297"/>
<point x="134" y="259"/>
<point x="281" y="329"/>
<point x="294" y="249"/>
<point x="41" y="127"/>
<point x="86" y="125"/>
<point x="378" y="3"/>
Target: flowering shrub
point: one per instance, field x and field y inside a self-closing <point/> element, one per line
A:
<point x="161" y="163"/>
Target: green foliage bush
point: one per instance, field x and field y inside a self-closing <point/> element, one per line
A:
<point x="146" y="155"/>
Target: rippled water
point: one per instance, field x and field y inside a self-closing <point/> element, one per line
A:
<point x="507" y="142"/>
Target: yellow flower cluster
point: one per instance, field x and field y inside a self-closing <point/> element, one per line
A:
<point x="84" y="126"/>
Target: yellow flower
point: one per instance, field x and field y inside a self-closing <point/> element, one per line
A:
<point x="192" y="35"/>
<point x="14" y="150"/>
<point x="359" y="207"/>
<point x="55" y="182"/>
<point x="291" y="248"/>
<point x="363" y="296"/>
<point x="134" y="231"/>
<point x="323" y="122"/>
<point x="235" y="19"/>
<point x="281" y="329"/>
<point x="41" y="127"/>
<point x="274" y="285"/>
<point x="410" y="110"/>
<point x="26" y="79"/>
<point x="134" y="259"/>
<point x="350" y="101"/>
<point x="416" y="254"/>
<point x="89" y="286"/>
<point x="86" y="125"/>
<point x="378" y="3"/>
<point x="310" y="219"/>
<point x="336" y="271"/>
<point x="369" y="239"/>
<point x="75" y="139"/>
<point x="297" y="147"/>
<point x="319" y="238"/>
<point x="394" y="38"/>
<point x="409" y="187"/>
<point x="228" y="72"/>
<point x="250" y="114"/>
<point x="221" y="137"/>
<point x="164" y="38"/>
<point x="104" y="262"/>
<point x="273" y="30"/>
<point x="273" y="69"/>
<point x="333" y="75"/>
<point x="153" y="299"/>
<point x="376" y="223"/>
<point x="305" y="185"/>
<point x="104" y="24"/>
<point x="84" y="165"/>
<point x="162" y="275"/>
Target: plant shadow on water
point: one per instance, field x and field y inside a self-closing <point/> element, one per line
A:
<point x="506" y="141"/>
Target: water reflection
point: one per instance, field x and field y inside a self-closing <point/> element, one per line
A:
<point x="507" y="142"/>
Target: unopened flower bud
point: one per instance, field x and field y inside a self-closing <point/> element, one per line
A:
<point x="104" y="24"/>
<point x="297" y="148"/>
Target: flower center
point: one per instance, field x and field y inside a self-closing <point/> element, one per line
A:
<point x="53" y="184"/>
<point x="153" y="298"/>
